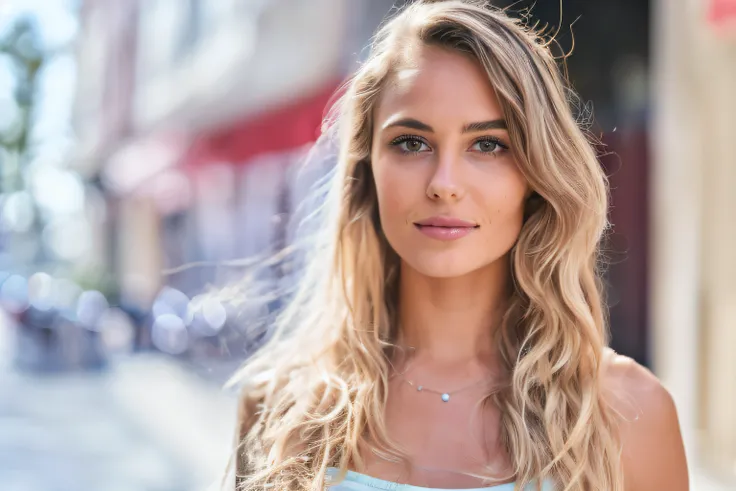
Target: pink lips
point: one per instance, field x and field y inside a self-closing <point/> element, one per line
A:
<point x="445" y="228"/>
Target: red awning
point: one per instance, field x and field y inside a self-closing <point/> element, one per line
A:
<point x="277" y="130"/>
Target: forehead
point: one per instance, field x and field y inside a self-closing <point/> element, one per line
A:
<point x="438" y="84"/>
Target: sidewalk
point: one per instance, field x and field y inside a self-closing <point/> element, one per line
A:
<point x="192" y="419"/>
<point x="65" y="433"/>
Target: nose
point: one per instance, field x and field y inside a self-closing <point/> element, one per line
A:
<point x="445" y="184"/>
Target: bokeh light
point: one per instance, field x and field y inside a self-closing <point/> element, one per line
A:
<point x="14" y="294"/>
<point x="170" y="301"/>
<point x="18" y="212"/>
<point x="169" y="334"/>
<point x="117" y="331"/>
<point x="206" y="315"/>
<point x="64" y="295"/>
<point x="40" y="291"/>
<point x="90" y="307"/>
<point x="68" y="238"/>
<point x="58" y="191"/>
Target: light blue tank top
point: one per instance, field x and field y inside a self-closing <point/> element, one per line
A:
<point x="360" y="482"/>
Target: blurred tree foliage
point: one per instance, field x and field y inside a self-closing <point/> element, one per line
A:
<point x="21" y="45"/>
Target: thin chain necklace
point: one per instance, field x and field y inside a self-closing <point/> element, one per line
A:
<point x="444" y="395"/>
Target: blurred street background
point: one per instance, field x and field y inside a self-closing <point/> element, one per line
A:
<point x="140" y="136"/>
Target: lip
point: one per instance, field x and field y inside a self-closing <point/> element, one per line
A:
<point x="443" y="221"/>
<point x="445" y="228"/>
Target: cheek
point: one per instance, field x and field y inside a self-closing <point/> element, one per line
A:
<point x="504" y="201"/>
<point x="391" y="190"/>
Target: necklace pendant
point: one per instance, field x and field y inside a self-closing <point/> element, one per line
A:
<point x="445" y="397"/>
<point x="420" y="388"/>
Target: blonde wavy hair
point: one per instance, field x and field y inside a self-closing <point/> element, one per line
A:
<point x="314" y="395"/>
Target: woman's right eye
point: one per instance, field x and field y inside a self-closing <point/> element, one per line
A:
<point x="410" y="144"/>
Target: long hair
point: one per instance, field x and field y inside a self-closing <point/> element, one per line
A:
<point x="314" y="395"/>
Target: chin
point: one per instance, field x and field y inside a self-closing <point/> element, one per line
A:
<point x="441" y="266"/>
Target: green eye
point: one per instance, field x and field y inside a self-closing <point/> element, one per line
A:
<point x="410" y="144"/>
<point x="489" y="145"/>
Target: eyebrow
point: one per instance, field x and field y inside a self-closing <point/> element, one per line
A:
<point x="415" y="124"/>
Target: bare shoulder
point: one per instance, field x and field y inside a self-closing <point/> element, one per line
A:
<point x="653" y="452"/>
<point x="631" y="388"/>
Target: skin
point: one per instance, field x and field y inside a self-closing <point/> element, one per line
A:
<point x="452" y="291"/>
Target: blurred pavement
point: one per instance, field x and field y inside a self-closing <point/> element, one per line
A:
<point x="66" y="433"/>
<point x="146" y="424"/>
<point x="191" y="417"/>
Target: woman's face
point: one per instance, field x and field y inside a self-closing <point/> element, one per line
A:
<point x="450" y="195"/>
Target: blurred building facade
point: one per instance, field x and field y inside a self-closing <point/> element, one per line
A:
<point x="191" y="115"/>
<point x="693" y="267"/>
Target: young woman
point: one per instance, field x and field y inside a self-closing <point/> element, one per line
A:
<point x="449" y="332"/>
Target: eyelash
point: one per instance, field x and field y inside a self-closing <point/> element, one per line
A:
<point x="406" y="138"/>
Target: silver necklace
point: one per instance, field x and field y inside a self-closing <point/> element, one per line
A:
<point x="444" y="395"/>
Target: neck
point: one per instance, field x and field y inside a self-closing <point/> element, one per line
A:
<point x="452" y="321"/>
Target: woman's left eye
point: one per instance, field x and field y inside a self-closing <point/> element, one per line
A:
<point x="489" y="146"/>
